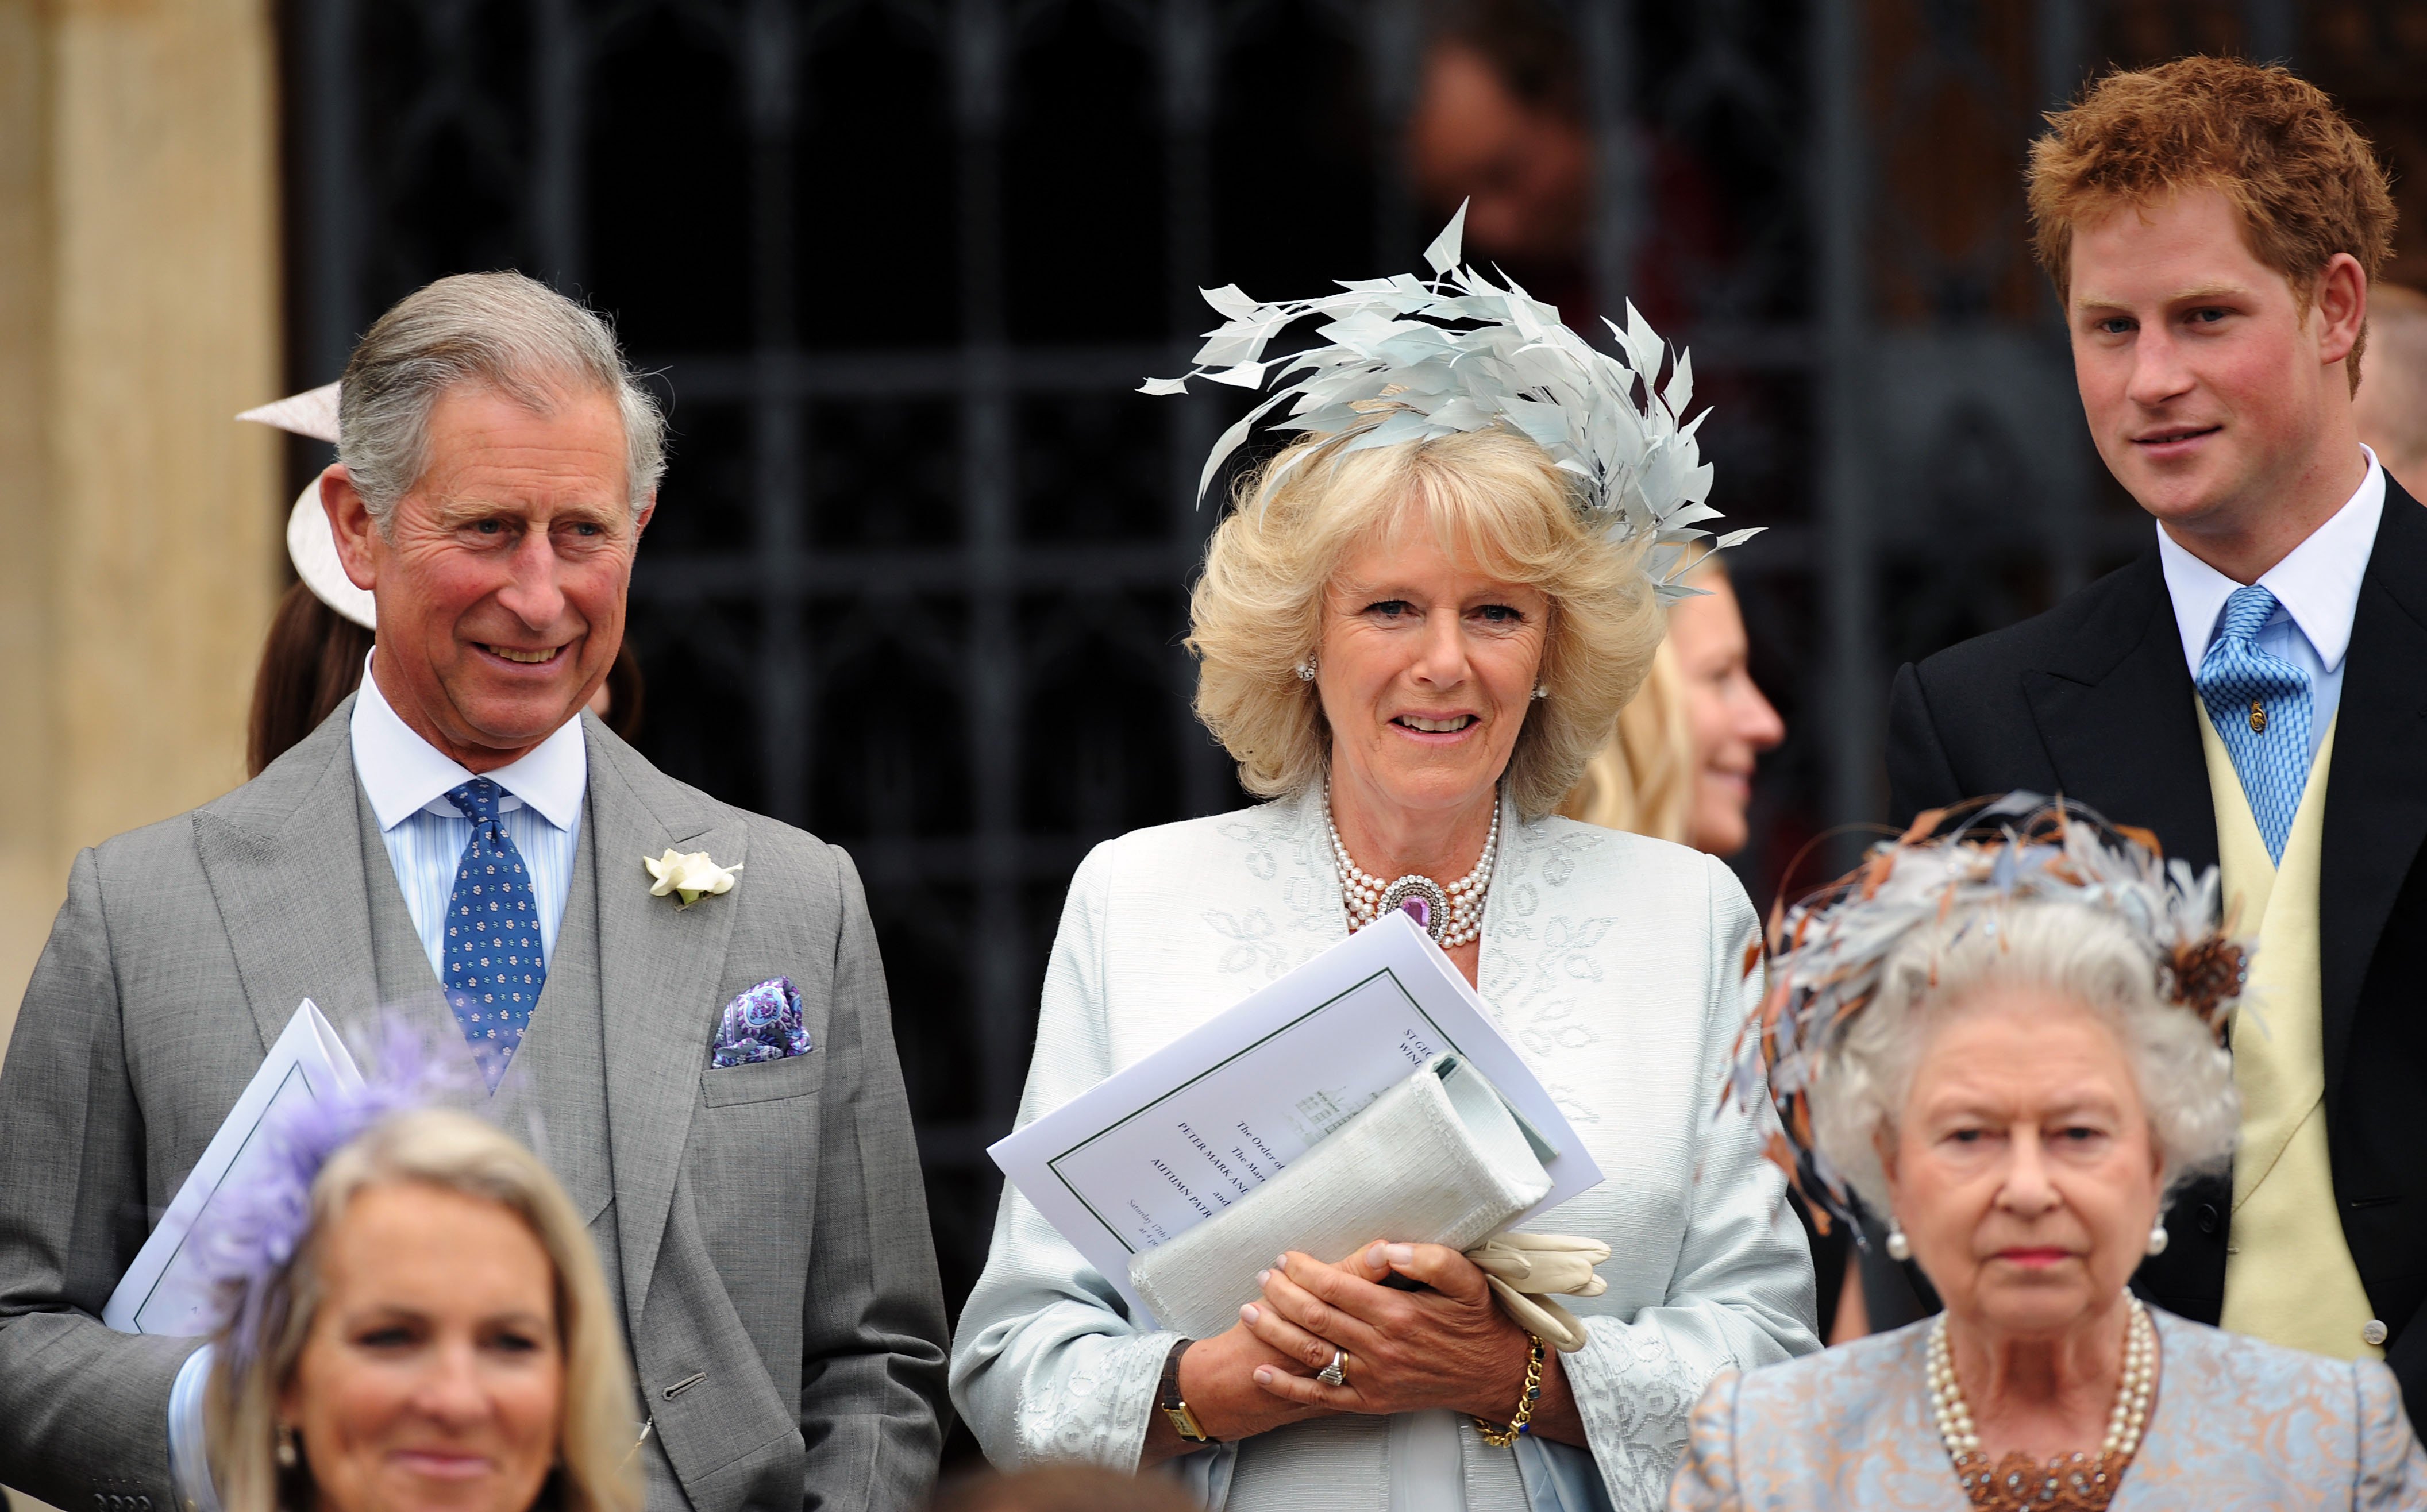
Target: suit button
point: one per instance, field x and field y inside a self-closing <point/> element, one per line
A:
<point x="2371" y="1332"/>
<point x="2207" y="1217"/>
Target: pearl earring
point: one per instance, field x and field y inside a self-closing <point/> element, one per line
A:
<point x="1900" y="1247"/>
<point x="2157" y="1238"/>
<point x="1306" y="670"/>
<point x="1541" y="692"/>
<point x="286" y="1453"/>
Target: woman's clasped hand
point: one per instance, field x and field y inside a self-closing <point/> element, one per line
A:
<point x="1445" y="1344"/>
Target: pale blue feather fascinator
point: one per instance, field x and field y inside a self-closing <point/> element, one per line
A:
<point x="1407" y="359"/>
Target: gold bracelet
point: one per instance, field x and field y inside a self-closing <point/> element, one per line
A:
<point x="1500" y="1438"/>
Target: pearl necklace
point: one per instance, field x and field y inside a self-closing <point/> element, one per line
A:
<point x="1452" y="915"/>
<point x="2017" y="1482"/>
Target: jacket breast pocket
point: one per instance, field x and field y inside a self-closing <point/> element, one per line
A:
<point x="794" y="1075"/>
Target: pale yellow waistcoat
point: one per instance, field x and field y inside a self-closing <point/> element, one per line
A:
<point x="2289" y="1275"/>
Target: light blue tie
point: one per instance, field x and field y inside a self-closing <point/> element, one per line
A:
<point x="493" y="968"/>
<point x="2259" y="704"/>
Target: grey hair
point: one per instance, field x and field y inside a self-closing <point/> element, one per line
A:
<point x="2184" y="1077"/>
<point x="504" y="331"/>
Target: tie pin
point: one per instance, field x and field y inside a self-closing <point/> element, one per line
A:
<point x="2258" y="717"/>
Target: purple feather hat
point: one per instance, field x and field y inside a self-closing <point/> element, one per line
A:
<point x="251" y="1233"/>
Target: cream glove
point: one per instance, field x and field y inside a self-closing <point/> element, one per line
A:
<point x="1523" y="1268"/>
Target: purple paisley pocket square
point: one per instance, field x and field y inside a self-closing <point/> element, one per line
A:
<point x="762" y="1024"/>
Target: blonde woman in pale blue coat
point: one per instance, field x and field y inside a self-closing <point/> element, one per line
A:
<point x="1372" y="634"/>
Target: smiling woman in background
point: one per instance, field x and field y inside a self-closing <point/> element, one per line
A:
<point x="1680" y="765"/>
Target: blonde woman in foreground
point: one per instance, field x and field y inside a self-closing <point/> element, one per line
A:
<point x="436" y="1334"/>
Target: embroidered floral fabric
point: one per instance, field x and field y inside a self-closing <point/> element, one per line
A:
<point x="2237" y="1424"/>
<point x="1615" y="965"/>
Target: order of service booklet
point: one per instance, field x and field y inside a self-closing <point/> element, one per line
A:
<point x="164" y="1292"/>
<point x="1173" y="1140"/>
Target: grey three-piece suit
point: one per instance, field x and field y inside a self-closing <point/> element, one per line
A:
<point x="763" y="1228"/>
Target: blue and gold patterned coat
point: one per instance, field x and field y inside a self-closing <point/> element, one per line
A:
<point x="2239" y="1423"/>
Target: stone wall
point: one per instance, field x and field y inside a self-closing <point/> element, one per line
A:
<point x="138" y="522"/>
<point x="138" y="312"/>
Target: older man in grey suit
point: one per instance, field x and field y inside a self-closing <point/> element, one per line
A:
<point x="459" y="834"/>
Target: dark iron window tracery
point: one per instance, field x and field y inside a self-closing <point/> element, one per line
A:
<point x="918" y="579"/>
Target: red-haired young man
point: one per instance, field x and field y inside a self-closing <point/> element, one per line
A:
<point x="2252" y="687"/>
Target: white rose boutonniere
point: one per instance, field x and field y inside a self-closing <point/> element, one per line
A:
<point x="688" y="877"/>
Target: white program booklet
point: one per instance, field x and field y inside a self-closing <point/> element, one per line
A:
<point x="163" y="1292"/>
<point x="1153" y="1150"/>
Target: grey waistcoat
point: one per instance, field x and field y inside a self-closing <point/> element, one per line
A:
<point x="553" y="1097"/>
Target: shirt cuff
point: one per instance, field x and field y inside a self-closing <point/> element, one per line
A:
<point x="190" y="1466"/>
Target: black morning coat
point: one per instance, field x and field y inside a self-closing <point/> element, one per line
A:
<point x="2093" y="700"/>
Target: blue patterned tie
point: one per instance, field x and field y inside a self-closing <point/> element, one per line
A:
<point x="494" y="969"/>
<point x="2259" y="704"/>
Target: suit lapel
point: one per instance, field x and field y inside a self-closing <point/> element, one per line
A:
<point x="2114" y="709"/>
<point x="659" y="972"/>
<point x="2376" y="805"/>
<point x="285" y="859"/>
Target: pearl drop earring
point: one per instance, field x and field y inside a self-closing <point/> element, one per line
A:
<point x="2157" y="1238"/>
<point x="1900" y="1247"/>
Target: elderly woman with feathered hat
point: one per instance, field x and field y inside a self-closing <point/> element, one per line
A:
<point x="2002" y="1031"/>
<point x="1413" y="629"/>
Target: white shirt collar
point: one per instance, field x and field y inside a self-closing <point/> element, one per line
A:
<point x="403" y="773"/>
<point x="2318" y="582"/>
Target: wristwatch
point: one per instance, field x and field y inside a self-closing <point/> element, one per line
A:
<point x="1183" y="1421"/>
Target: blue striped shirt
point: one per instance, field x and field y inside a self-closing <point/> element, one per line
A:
<point x="407" y="780"/>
